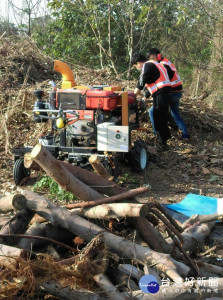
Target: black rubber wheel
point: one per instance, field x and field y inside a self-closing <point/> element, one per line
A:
<point x="138" y="156"/>
<point x="19" y="171"/>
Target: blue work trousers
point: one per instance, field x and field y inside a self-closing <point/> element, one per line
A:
<point x="175" y="112"/>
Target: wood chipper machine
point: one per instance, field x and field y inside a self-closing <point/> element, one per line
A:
<point x="86" y="120"/>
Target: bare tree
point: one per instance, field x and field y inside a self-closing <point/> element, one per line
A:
<point x="24" y="12"/>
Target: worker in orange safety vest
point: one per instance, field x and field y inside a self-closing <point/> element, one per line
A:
<point x="177" y="88"/>
<point x="155" y="78"/>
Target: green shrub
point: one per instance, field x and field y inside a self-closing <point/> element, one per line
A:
<point x="47" y="185"/>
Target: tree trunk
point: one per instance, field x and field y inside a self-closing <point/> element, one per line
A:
<point x="113" y="211"/>
<point x="87" y="231"/>
<point x="63" y="177"/>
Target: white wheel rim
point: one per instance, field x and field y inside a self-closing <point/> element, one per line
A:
<point x="143" y="159"/>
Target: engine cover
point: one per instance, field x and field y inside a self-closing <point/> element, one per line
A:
<point x="71" y="99"/>
<point x="105" y="100"/>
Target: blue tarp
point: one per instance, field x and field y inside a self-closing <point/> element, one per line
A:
<point x="194" y="204"/>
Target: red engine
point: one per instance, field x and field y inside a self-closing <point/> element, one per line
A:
<point x="90" y="99"/>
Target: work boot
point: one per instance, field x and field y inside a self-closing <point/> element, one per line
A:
<point x="159" y="144"/>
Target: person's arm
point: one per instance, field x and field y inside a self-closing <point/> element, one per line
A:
<point x="138" y="92"/>
<point x="149" y="74"/>
<point x="169" y="71"/>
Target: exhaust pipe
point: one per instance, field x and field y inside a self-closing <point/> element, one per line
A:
<point x="68" y="80"/>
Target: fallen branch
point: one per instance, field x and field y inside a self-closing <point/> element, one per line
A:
<point x="199" y="219"/>
<point x="123" y="196"/>
<point x="39" y="238"/>
<point x="168" y="216"/>
<point x="36" y="229"/>
<point x="168" y="224"/>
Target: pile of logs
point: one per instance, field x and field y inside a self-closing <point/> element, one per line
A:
<point x="100" y="247"/>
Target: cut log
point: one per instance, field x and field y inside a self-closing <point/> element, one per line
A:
<point x="113" y="211"/>
<point x="17" y="224"/>
<point x="17" y="200"/>
<point x="123" y="196"/>
<point x="6" y="204"/>
<point x="108" y="287"/>
<point x="9" y="254"/>
<point x="96" y="164"/>
<point x="29" y="163"/>
<point x="88" y="230"/>
<point x="63" y="177"/>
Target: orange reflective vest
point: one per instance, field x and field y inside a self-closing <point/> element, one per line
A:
<point x="161" y="82"/>
<point x="175" y="81"/>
